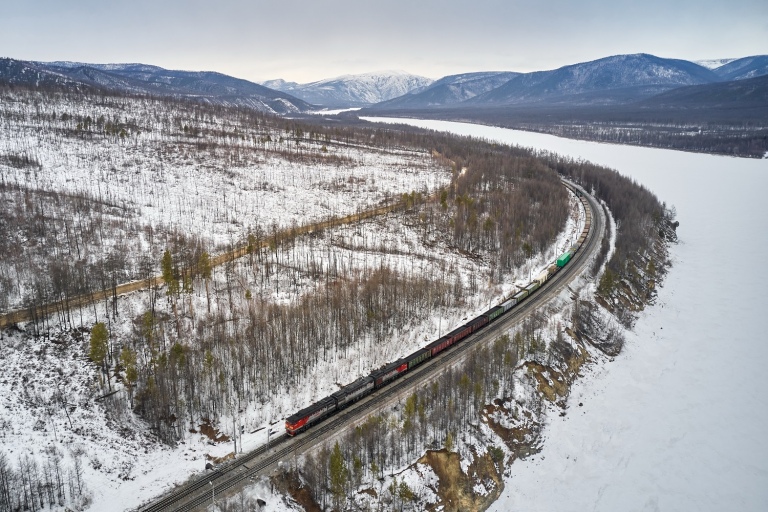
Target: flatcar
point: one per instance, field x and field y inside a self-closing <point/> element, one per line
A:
<point x="542" y="277"/>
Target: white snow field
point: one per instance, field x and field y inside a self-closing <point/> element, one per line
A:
<point x="48" y="389"/>
<point x="677" y="420"/>
<point x="216" y="186"/>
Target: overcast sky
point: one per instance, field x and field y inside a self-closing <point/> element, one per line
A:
<point x="305" y="41"/>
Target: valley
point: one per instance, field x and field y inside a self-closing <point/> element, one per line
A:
<point x="183" y="269"/>
<point x="102" y="189"/>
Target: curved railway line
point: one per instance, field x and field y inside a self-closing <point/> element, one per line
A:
<point x="197" y="493"/>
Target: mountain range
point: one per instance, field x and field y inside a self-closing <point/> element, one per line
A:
<point x="204" y="86"/>
<point x="620" y="79"/>
<point x="616" y="80"/>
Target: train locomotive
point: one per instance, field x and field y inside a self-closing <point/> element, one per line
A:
<point x="364" y="386"/>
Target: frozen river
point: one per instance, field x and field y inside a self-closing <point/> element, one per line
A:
<point x="679" y="421"/>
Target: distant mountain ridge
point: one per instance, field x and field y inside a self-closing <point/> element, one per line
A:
<point x="207" y="86"/>
<point x="616" y="80"/>
<point x="740" y="69"/>
<point x="619" y="79"/>
<point x="353" y="90"/>
<point x="453" y="89"/>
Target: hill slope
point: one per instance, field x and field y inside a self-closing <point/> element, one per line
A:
<point x="741" y="94"/>
<point x="204" y="86"/>
<point x="617" y="79"/>
<point x="452" y="89"/>
<point x="748" y="67"/>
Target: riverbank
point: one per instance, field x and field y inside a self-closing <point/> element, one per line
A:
<point x="670" y="423"/>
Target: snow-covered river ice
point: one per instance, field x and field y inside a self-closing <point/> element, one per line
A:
<point x="679" y="420"/>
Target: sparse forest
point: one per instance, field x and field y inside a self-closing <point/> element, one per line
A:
<point x="489" y="408"/>
<point x="443" y="415"/>
<point x="742" y="140"/>
<point x="644" y="226"/>
<point x="154" y="174"/>
<point x="99" y="190"/>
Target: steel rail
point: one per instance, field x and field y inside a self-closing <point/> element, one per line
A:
<point x="190" y="496"/>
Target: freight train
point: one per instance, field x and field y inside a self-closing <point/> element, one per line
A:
<point x="364" y="386"/>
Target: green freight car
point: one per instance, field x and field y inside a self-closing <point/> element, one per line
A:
<point x="563" y="259"/>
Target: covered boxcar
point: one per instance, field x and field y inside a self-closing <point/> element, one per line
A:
<point x="563" y="259"/>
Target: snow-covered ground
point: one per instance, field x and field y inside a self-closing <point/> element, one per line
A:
<point x="48" y="388"/>
<point x="677" y="420"/>
<point x="218" y="185"/>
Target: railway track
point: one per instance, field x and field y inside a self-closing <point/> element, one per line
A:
<point x="235" y="473"/>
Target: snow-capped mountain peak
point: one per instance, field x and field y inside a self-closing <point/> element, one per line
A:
<point x="713" y="63"/>
<point x="354" y="90"/>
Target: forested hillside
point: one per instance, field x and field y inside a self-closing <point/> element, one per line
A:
<point x="102" y="189"/>
<point x="155" y="174"/>
<point x="448" y="444"/>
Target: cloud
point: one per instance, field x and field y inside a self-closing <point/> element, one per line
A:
<point x="305" y="41"/>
